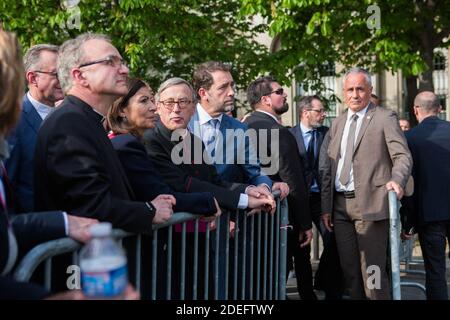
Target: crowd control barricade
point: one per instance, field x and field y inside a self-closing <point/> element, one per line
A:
<point x="186" y="258"/>
<point x="395" y="249"/>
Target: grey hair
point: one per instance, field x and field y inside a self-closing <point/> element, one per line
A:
<point x="358" y="70"/>
<point x="32" y="58"/>
<point x="71" y="54"/>
<point x="427" y="101"/>
<point x="174" y="82"/>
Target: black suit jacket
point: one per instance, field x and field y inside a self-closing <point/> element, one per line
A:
<point x="189" y="177"/>
<point x="429" y="143"/>
<point x="147" y="183"/>
<point x="290" y="168"/>
<point x="311" y="170"/>
<point x="78" y="171"/>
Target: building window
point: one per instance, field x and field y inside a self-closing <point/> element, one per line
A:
<point x="439" y="61"/>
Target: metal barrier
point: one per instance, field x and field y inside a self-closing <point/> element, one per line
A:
<point x="179" y="253"/>
<point x="394" y="241"/>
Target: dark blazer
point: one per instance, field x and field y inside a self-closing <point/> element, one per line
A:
<point x="429" y="143"/>
<point x="189" y="177"/>
<point x="310" y="170"/>
<point x="78" y="171"/>
<point x="290" y="168"/>
<point x="147" y="183"/>
<point x="30" y="229"/>
<point x="19" y="165"/>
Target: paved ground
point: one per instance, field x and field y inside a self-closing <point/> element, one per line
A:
<point x="408" y="293"/>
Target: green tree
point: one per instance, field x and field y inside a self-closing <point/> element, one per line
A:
<point x="383" y="35"/>
<point x="160" y="39"/>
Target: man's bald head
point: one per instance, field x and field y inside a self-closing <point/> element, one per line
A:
<point x="427" y="101"/>
<point x="426" y="104"/>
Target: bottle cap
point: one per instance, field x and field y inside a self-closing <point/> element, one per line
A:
<point x="101" y="229"/>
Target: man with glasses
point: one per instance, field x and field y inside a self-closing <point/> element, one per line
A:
<point x="76" y="167"/>
<point x="268" y="99"/>
<point x="43" y="91"/>
<point x="309" y="134"/>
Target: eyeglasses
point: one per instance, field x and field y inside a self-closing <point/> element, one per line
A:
<point x="51" y="73"/>
<point x="318" y="110"/>
<point x="113" y="61"/>
<point x="170" y="103"/>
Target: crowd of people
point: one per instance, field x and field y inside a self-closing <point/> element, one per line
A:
<point x="114" y="150"/>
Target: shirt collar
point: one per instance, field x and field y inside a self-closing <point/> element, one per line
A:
<point x="204" y="117"/>
<point x="360" y="113"/>
<point x="269" y="114"/>
<point x="41" y="108"/>
<point x="305" y="129"/>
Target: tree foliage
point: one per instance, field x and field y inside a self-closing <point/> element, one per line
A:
<point x="346" y="32"/>
<point x="159" y="38"/>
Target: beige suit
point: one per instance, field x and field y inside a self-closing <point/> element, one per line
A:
<point x="380" y="155"/>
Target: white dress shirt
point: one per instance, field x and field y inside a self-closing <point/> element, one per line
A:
<point x="203" y="120"/>
<point x="42" y="109"/>
<point x="350" y="185"/>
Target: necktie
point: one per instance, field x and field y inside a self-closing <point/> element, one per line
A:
<point x="210" y="137"/>
<point x="345" y="172"/>
<point x="311" y="149"/>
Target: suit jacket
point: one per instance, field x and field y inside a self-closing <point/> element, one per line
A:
<point x="429" y="143"/>
<point x="189" y="177"/>
<point x="311" y="170"/>
<point x="78" y="171"/>
<point x="147" y="183"/>
<point x="380" y="155"/>
<point x="29" y="229"/>
<point x="19" y="165"/>
<point x="236" y="172"/>
<point x="290" y="168"/>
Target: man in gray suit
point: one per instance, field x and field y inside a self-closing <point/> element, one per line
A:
<point x="368" y="155"/>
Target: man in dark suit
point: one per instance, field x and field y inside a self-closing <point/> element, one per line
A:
<point x="429" y="206"/>
<point x="43" y="91"/>
<point x="309" y="134"/>
<point x="268" y="99"/>
<point x="76" y="167"/>
<point x="368" y="156"/>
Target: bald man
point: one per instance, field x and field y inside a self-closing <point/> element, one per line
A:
<point x="429" y="206"/>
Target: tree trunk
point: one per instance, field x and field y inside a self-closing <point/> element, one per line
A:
<point x="411" y="92"/>
<point x="426" y="78"/>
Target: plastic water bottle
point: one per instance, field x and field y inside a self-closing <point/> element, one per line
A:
<point x="103" y="265"/>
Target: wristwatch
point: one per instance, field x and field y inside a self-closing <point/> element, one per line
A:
<point x="151" y="207"/>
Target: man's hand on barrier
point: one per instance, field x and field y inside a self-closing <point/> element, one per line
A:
<point x="305" y="237"/>
<point x="163" y="204"/>
<point x="265" y="203"/>
<point x="392" y="185"/>
<point x="253" y="212"/>
<point x="79" y="227"/>
<point x="259" y="191"/>
<point x="326" y="220"/>
<point x="215" y="216"/>
<point x="129" y="294"/>
<point x="283" y="187"/>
